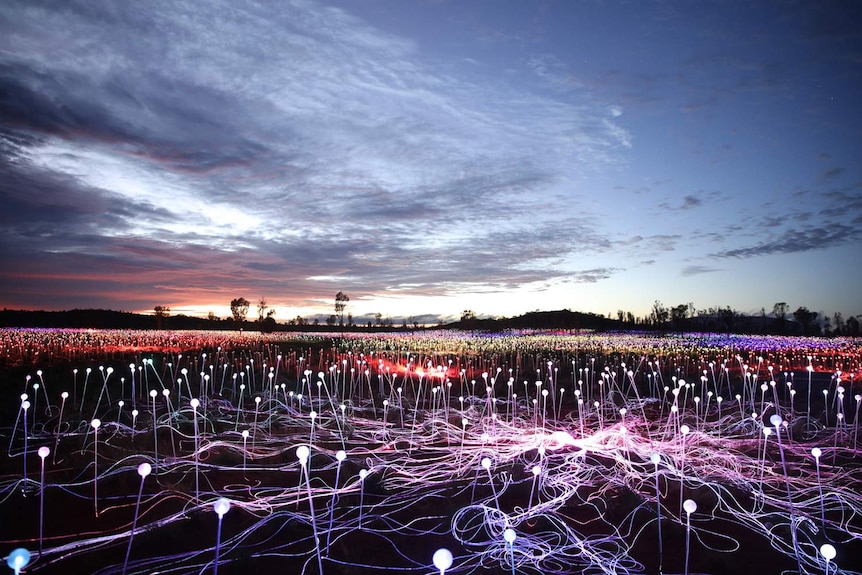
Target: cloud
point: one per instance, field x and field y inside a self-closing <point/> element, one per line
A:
<point x="695" y="270"/>
<point x="795" y="241"/>
<point x="692" y="201"/>
<point x="832" y="173"/>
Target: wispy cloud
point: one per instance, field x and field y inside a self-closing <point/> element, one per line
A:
<point x="833" y="173"/>
<point x="695" y="270"/>
<point x="795" y="241"/>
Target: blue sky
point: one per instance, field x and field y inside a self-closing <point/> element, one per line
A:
<point x="430" y="157"/>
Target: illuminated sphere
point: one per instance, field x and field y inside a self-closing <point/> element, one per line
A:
<point x="690" y="506"/>
<point x="363" y="473"/>
<point x="302" y="452"/>
<point x="221" y="506"/>
<point x="340" y="455"/>
<point x="194" y="403"/>
<point x="19" y="558"/>
<point x="775" y="420"/>
<point x="96" y="423"/>
<point x="509" y="536"/>
<point x="44" y="451"/>
<point x="144" y="469"/>
<point x="245" y="434"/>
<point x="442" y="559"/>
<point x="655" y="458"/>
<point x="486" y="462"/>
<point x="828" y="551"/>
<point x="684" y="429"/>
<point x="816" y="452"/>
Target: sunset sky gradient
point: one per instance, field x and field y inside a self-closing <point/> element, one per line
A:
<point x="430" y="157"/>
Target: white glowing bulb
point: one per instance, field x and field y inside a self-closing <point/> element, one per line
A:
<point x="302" y="453"/>
<point x="442" y="559"/>
<point x="690" y="506"/>
<point x="221" y="506"/>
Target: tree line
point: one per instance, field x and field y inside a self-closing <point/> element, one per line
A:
<point x="781" y="321"/>
<point x="681" y="317"/>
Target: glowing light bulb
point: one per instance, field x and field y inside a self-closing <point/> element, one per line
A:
<point x="828" y="551"/>
<point x="509" y="536"/>
<point x="144" y="469"/>
<point x="19" y="558"/>
<point x="690" y="506"/>
<point x="442" y="559"/>
<point x="340" y="455"/>
<point x="221" y="506"/>
<point x="43" y="452"/>
<point x="302" y="453"/>
<point x="816" y="452"/>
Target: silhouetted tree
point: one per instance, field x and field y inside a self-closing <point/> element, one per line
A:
<point x="341" y="300"/>
<point x="779" y="310"/>
<point x="659" y="314"/>
<point x="161" y="312"/>
<point x="852" y="326"/>
<point x="728" y="316"/>
<point x="807" y="319"/>
<point x="678" y="315"/>
<point x="840" y="326"/>
<point x="239" y="309"/>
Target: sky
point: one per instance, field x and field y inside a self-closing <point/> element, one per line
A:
<point x="430" y="157"/>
